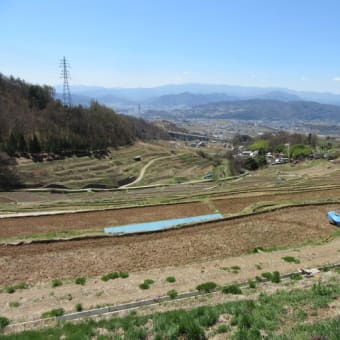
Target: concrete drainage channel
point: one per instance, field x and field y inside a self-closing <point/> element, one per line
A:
<point x="128" y="306"/>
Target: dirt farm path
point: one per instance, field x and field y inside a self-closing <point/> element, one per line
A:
<point x="141" y="175"/>
<point x="42" y="297"/>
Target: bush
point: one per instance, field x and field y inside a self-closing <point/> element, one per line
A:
<point x="144" y="285"/>
<point x="172" y="293"/>
<point x="251" y="284"/>
<point x="170" y="279"/>
<point x="290" y="259"/>
<point x="222" y="329"/>
<point x="231" y="289"/>
<point x="206" y="287"/>
<point x="149" y="281"/>
<point x="10" y="289"/>
<point x="53" y="313"/>
<point x="110" y="276"/>
<point x="57" y="283"/>
<point x="79" y="307"/>
<point x="123" y="275"/>
<point x="80" y="281"/>
<point x="276" y="277"/>
<point x="3" y="322"/>
<point x="14" y="304"/>
<point x="267" y="275"/>
<point x="21" y="285"/>
<point x="296" y="276"/>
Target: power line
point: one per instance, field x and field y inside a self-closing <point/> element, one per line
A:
<point x="65" y="75"/>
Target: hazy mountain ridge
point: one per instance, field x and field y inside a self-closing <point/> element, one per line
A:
<point x="196" y="94"/>
<point x="257" y="109"/>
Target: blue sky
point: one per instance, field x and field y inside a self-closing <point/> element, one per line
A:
<point x="130" y="43"/>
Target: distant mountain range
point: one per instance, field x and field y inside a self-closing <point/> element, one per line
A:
<point x="256" y="109"/>
<point x="189" y="95"/>
<point x="205" y="101"/>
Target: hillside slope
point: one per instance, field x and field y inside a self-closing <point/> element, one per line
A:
<point x="31" y="120"/>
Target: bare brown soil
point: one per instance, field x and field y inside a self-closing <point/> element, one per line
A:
<point x="13" y="227"/>
<point x="36" y="262"/>
<point x="237" y="204"/>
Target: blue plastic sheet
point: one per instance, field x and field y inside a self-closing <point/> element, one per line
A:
<point x="159" y="225"/>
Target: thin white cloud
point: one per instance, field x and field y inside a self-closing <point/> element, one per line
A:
<point x="336" y="78"/>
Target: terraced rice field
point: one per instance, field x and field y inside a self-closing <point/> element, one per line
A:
<point x="69" y="259"/>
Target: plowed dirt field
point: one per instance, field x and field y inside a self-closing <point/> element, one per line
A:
<point x="69" y="259"/>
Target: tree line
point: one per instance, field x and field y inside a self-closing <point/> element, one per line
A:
<point x="32" y="121"/>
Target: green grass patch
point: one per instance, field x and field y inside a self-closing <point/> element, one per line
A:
<point x="149" y="281"/>
<point x="57" y="283"/>
<point x="3" y="322"/>
<point x="10" y="289"/>
<point x="232" y="289"/>
<point x="144" y="286"/>
<point x="170" y="279"/>
<point x="53" y="313"/>
<point x="123" y="275"/>
<point x="14" y="304"/>
<point x="249" y="320"/>
<point x="295" y="276"/>
<point x="172" y="293"/>
<point x="110" y="276"/>
<point x="291" y="259"/>
<point x="80" y="281"/>
<point x="251" y="284"/>
<point x="206" y="287"/>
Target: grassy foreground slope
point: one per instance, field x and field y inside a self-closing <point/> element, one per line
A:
<point x="286" y="314"/>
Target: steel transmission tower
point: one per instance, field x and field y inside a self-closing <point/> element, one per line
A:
<point x="65" y="75"/>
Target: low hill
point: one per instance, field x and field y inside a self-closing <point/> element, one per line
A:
<point x="31" y="120"/>
<point x="257" y="109"/>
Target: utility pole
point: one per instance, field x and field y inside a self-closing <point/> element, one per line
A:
<point x="65" y="75"/>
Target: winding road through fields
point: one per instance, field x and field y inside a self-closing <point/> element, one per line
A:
<point x="141" y="175"/>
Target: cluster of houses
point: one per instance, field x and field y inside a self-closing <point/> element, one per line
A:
<point x="276" y="158"/>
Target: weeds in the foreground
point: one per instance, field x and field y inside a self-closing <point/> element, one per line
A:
<point x="80" y="281"/>
<point x="79" y="307"/>
<point x="295" y="276"/>
<point x="291" y="259"/>
<point x="52" y="313"/>
<point x="206" y="287"/>
<point x="146" y="284"/>
<point x="110" y="276"/>
<point x="172" y="293"/>
<point x="12" y="289"/>
<point x="3" y="322"/>
<point x="14" y="304"/>
<point x="57" y="283"/>
<point x="232" y="289"/>
<point x="149" y="281"/>
<point x="249" y="320"/>
<point x="273" y="277"/>
<point x="170" y="279"/>
<point x="123" y="275"/>
<point x="222" y="329"/>
<point x="251" y="284"/>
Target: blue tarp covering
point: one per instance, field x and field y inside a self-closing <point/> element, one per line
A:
<point x="333" y="217"/>
<point x="159" y="225"/>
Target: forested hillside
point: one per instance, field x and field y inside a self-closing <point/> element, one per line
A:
<point x="31" y="120"/>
